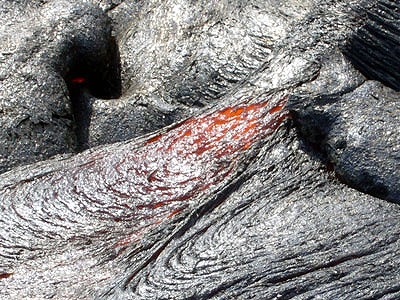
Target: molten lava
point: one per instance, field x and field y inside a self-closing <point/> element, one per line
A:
<point x="136" y="186"/>
<point x="174" y="169"/>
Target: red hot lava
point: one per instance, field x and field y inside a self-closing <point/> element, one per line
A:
<point x="78" y="80"/>
<point x="189" y="161"/>
<point x="133" y="186"/>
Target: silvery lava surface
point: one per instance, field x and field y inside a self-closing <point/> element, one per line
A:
<point x="199" y="149"/>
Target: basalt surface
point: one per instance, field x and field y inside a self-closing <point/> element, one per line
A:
<point x="199" y="150"/>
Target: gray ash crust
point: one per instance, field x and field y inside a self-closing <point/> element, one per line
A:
<point x="287" y="227"/>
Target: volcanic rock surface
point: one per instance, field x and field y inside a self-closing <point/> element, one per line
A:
<point x="199" y="149"/>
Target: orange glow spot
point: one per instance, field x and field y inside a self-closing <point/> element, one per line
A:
<point x="188" y="133"/>
<point x="158" y="205"/>
<point x="6" y="275"/>
<point x="154" y="139"/>
<point x="128" y="241"/>
<point x="276" y="109"/>
<point x="176" y="212"/>
<point x="233" y="112"/>
<point x="250" y="128"/>
<point x="78" y="80"/>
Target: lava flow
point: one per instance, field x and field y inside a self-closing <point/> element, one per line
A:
<point x="174" y="169"/>
<point x="132" y="187"/>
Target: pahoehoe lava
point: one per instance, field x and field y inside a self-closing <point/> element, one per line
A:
<point x="227" y="149"/>
<point x="141" y="184"/>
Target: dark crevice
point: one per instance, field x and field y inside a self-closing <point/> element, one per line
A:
<point x="331" y="264"/>
<point x="91" y="76"/>
<point x="113" y="6"/>
<point x="313" y="128"/>
<point x="393" y="292"/>
<point x="370" y="185"/>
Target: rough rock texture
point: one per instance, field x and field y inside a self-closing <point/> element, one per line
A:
<point x="317" y="239"/>
<point x="375" y="47"/>
<point x="359" y="142"/>
<point x="271" y="168"/>
<point x="186" y="61"/>
<point x="43" y="46"/>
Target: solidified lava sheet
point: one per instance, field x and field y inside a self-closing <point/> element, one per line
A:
<point x="144" y="184"/>
<point x="182" y="149"/>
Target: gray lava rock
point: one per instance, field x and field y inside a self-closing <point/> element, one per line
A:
<point x="358" y="132"/>
<point x="41" y="45"/>
<point x="187" y="63"/>
<point x="374" y="49"/>
<point x="317" y="239"/>
<point x="135" y="221"/>
<point x="352" y="123"/>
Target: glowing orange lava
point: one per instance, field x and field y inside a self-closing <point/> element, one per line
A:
<point x="176" y="168"/>
<point x="78" y="80"/>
